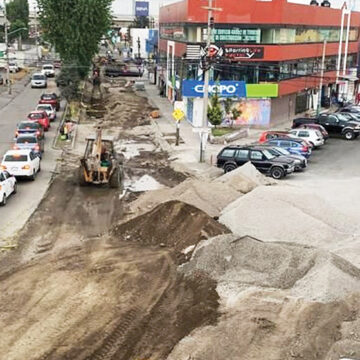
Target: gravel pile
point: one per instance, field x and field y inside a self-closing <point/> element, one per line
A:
<point x="240" y="264"/>
<point x="290" y="214"/>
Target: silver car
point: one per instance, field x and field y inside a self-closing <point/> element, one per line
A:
<point x="39" y="80"/>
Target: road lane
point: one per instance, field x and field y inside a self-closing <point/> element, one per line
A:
<point x="20" y="206"/>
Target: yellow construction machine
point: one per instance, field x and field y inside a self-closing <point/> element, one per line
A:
<point x="101" y="164"/>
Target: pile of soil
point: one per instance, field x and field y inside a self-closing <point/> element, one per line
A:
<point x="173" y="224"/>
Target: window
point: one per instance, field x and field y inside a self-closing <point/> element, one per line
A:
<point x="2" y="177"/>
<point x="13" y="158"/>
<point x="303" y="133"/>
<point x="29" y="125"/>
<point x="26" y="140"/>
<point x="294" y="144"/>
<point x="242" y="154"/>
<point x="228" y="153"/>
<point x="273" y="142"/>
<point x="256" y="155"/>
<point x="285" y="143"/>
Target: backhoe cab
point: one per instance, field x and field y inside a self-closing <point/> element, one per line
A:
<point x="101" y="164"/>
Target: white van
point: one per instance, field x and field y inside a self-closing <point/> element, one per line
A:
<point x="48" y="70"/>
<point x="38" y="80"/>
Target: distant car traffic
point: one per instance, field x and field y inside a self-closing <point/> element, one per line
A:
<point x="21" y="163"/>
<point x="8" y="186"/>
<point x="313" y="136"/>
<point x="29" y="127"/>
<point x="50" y="98"/>
<point x="29" y="142"/>
<point x="49" y="109"/>
<point x="13" y="67"/>
<point x="41" y="117"/>
<point x="48" y="70"/>
<point x="232" y="157"/>
<point x="294" y="146"/>
<point x="38" y="80"/>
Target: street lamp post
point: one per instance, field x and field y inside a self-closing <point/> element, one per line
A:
<point x="7" y="50"/>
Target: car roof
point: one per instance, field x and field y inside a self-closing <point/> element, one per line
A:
<point x="48" y="65"/>
<point x="245" y="147"/>
<point x="36" y="112"/>
<point x="287" y="139"/>
<point x="21" y="152"/>
<point x="28" y="122"/>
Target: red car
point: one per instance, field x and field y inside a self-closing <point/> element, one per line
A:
<point x="40" y="117"/>
<point x="268" y="135"/>
<point x="319" y="127"/>
<point x="51" y="99"/>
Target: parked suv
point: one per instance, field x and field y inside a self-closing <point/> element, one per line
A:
<point x="232" y="157"/>
<point x="334" y="124"/>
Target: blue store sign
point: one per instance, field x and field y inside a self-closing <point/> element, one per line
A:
<point x="195" y="88"/>
<point x="141" y="8"/>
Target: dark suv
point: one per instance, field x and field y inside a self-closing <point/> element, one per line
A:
<point x="232" y="157"/>
<point x="334" y="124"/>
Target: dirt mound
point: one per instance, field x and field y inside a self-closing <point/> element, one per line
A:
<point x="101" y="301"/>
<point x="238" y="264"/>
<point x="245" y="178"/>
<point x="273" y="327"/>
<point x="174" y="224"/>
<point x="286" y="213"/>
<point x="210" y="198"/>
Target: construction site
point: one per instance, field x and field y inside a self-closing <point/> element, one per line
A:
<point x="172" y="263"/>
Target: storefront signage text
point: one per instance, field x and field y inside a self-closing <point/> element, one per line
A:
<point x="195" y="88"/>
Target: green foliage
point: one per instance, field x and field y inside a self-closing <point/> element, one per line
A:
<point x="228" y="105"/>
<point x="18" y="15"/>
<point x="235" y="113"/>
<point x="140" y="22"/>
<point x="214" y="113"/>
<point x="75" y="28"/>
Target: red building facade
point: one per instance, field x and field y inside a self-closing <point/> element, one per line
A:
<point x="261" y="42"/>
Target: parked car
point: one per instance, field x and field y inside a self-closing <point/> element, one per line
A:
<point x="29" y="142"/>
<point x="48" y="70"/>
<point x="353" y="109"/>
<point x="351" y="116"/>
<point x="314" y="137"/>
<point x="123" y="70"/>
<point x="38" y="80"/>
<point x="29" y="127"/>
<point x="300" y="161"/>
<point x="49" y="109"/>
<point x="334" y="123"/>
<point x="21" y="163"/>
<point x="293" y="146"/>
<point x="50" y="98"/>
<point x="319" y="127"/>
<point x="13" y="67"/>
<point x="8" y="186"/>
<point x="232" y="157"/>
<point x="40" y="117"/>
<point x="267" y="135"/>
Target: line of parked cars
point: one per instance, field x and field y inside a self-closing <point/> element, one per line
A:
<point x="24" y="159"/>
<point x="279" y="153"/>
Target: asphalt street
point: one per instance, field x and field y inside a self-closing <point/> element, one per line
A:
<point x="20" y="206"/>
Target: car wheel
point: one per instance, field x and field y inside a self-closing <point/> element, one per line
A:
<point x="312" y="144"/>
<point x="39" y="169"/>
<point x="277" y="172"/>
<point x="3" y="202"/>
<point x="349" y="135"/>
<point x="15" y="189"/>
<point x="229" y="167"/>
<point x="32" y="177"/>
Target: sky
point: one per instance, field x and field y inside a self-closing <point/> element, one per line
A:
<point x="125" y="7"/>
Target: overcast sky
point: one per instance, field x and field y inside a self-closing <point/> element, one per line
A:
<point x="125" y="7"/>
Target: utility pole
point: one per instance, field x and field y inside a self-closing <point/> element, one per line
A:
<point x="204" y="130"/>
<point x="321" y="79"/>
<point x="7" y="50"/>
<point x="138" y="44"/>
<point x="36" y="34"/>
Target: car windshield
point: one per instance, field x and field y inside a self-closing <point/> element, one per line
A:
<point x="38" y="77"/>
<point x="26" y="140"/>
<point x="268" y="154"/>
<point x="13" y="158"/>
<point x="343" y="117"/>
<point x="36" y="116"/>
<point x="29" y="125"/>
<point x="282" y="151"/>
<point x="47" y="97"/>
<point x="47" y="67"/>
<point x="44" y="107"/>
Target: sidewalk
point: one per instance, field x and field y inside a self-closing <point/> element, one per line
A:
<point x="188" y="152"/>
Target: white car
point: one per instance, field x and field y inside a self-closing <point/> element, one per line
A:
<point x="48" y="70"/>
<point x="21" y="163"/>
<point x="50" y="111"/>
<point x="312" y="136"/>
<point x="38" y="80"/>
<point x="13" y="67"/>
<point x="7" y="186"/>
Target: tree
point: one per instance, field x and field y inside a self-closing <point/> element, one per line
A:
<point x="214" y="113"/>
<point x="18" y="16"/>
<point x="140" y="22"/>
<point x="75" y="28"/>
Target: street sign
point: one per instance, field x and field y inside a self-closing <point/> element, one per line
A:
<point x="178" y="114"/>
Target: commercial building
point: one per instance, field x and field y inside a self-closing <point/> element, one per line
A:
<point x="275" y="47"/>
